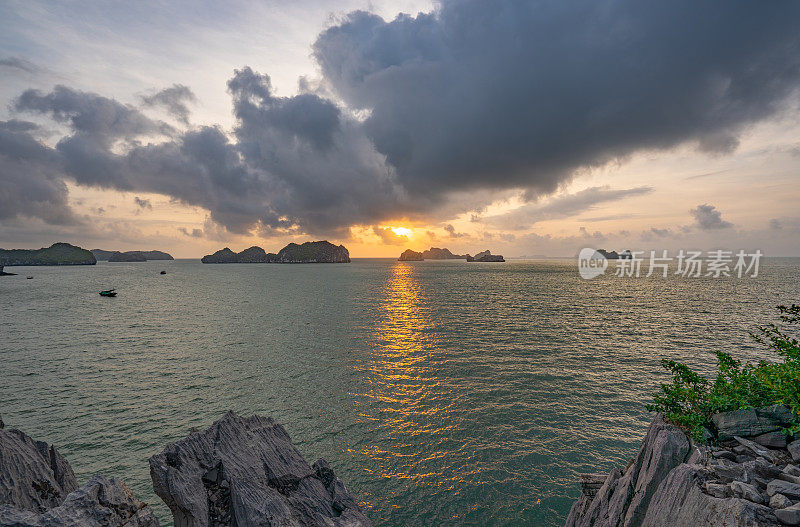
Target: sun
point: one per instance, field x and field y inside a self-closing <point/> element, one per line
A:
<point x="401" y="231"/>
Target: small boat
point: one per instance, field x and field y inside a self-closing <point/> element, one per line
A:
<point x="110" y="292"/>
<point x="29" y="277"/>
<point x="163" y="272"/>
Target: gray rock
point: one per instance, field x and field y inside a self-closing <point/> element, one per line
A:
<point x="759" y="450"/>
<point x="33" y="475"/>
<point x="790" y="515"/>
<point x="794" y="450"/>
<point x="592" y="483"/>
<point x="776" y="439"/>
<point x="746" y="492"/>
<point x="779" y="501"/>
<point x="788" y="489"/>
<point x="718" y="490"/>
<point x="680" y="502"/>
<point x="102" y="502"/>
<point x="624" y="498"/>
<point x="792" y="470"/>
<point x="724" y="454"/>
<point x="752" y="422"/>
<point x="245" y="471"/>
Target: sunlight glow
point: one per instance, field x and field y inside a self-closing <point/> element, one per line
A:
<point x="401" y="231"/>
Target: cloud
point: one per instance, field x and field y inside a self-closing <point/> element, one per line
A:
<point x="20" y="64"/>
<point x="707" y="217"/>
<point x="563" y="206"/>
<point x="143" y="203"/>
<point x="451" y="232"/>
<point x="471" y="99"/>
<point x="388" y="236"/>
<point x="174" y="99"/>
<point x="195" y="233"/>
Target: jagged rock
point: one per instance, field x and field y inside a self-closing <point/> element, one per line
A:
<point x="779" y="501"/>
<point x="789" y="469"/>
<point x="102" y="502"/>
<point x="718" y="490"/>
<point x="680" y="502"/>
<point x="245" y="471"/>
<point x="775" y="439"/>
<point x="308" y="252"/>
<point x="758" y="450"/>
<point x="752" y="422"/>
<point x="33" y="475"/>
<point x="591" y="483"/>
<point x="624" y="501"/>
<point x="794" y="450"/>
<point x="435" y="253"/>
<point x="747" y="492"/>
<point x="485" y="256"/>
<point x="788" y="489"/>
<point x="789" y="515"/>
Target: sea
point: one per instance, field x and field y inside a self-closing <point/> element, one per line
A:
<point x="441" y="392"/>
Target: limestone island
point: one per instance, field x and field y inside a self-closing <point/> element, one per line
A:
<point x="57" y="254"/>
<point x="130" y="256"/>
<point x="435" y="253"/>
<point x="308" y="252"/>
<point x="240" y="471"/>
<point x="614" y="255"/>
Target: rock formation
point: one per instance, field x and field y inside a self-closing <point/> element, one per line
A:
<point x="245" y="471"/>
<point x="127" y="257"/>
<point x="38" y="489"/>
<point x="56" y="254"/>
<point x="410" y="256"/>
<point x="308" y="252"/>
<point x="677" y="483"/>
<point x="614" y="255"/>
<point x="435" y="253"/>
<point x="485" y="256"/>
<point x="101" y="255"/>
<point x="2" y="273"/>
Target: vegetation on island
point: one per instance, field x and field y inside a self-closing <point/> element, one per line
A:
<point x="691" y="399"/>
<point x="57" y="254"/>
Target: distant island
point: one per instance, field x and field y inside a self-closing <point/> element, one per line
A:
<point x="57" y="254"/>
<point x="613" y="255"/>
<point x="130" y="256"/>
<point x="435" y="253"/>
<point x="308" y="252"/>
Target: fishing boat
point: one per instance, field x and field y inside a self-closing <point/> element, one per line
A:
<point x="110" y="292"/>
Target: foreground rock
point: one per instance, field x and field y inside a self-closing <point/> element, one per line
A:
<point x="675" y="482"/>
<point x="308" y="252"/>
<point x="245" y="471"/>
<point x="38" y="489"/>
<point x="56" y="254"/>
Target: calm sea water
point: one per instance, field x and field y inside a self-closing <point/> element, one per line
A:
<point x="440" y="392"/>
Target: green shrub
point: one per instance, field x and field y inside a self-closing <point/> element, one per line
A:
<point x="690" y="399"/>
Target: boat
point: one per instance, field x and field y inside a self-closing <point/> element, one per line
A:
<point x="110" y="292"/>
<point x="29" y="277"/>
<point x="163" y="272"/>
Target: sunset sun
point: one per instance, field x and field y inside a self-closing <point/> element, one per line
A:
<point x="401" y="231"/>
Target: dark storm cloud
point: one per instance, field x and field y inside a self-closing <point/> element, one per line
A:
<point x="707" y="217"/>
<point x="175" y="99"/>
<point x="476" y="97"/>
<point x="522" y="93"/>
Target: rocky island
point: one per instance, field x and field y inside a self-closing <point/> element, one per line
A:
<point x="435" y="253"/>
<point x="486" y="256"/>
<point x="308" y="252"/>
<point x="751" y="476"/>
<point x="614" y="255"/>
<point x="57" y="254"/>
<point x="130" y="256"/>
<point x="411" y="256"/>
<point x="241" y="471"/>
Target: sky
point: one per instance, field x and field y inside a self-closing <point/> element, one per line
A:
<point x="530" y="128"/>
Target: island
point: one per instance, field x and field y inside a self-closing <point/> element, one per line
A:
<point x="127" y="257"/>
<point x="101" y="254"/>
<point x="308" y="252"/>
<point x="5" y="274"/>
<point x="57" y="254"/>
<point x="435" y="253"/>
<point x="411" y="256"/>
<point x="613" y="255"/>
<point x="485" y="256"/>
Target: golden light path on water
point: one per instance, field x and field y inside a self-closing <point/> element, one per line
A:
<point x="416" y="408"/>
